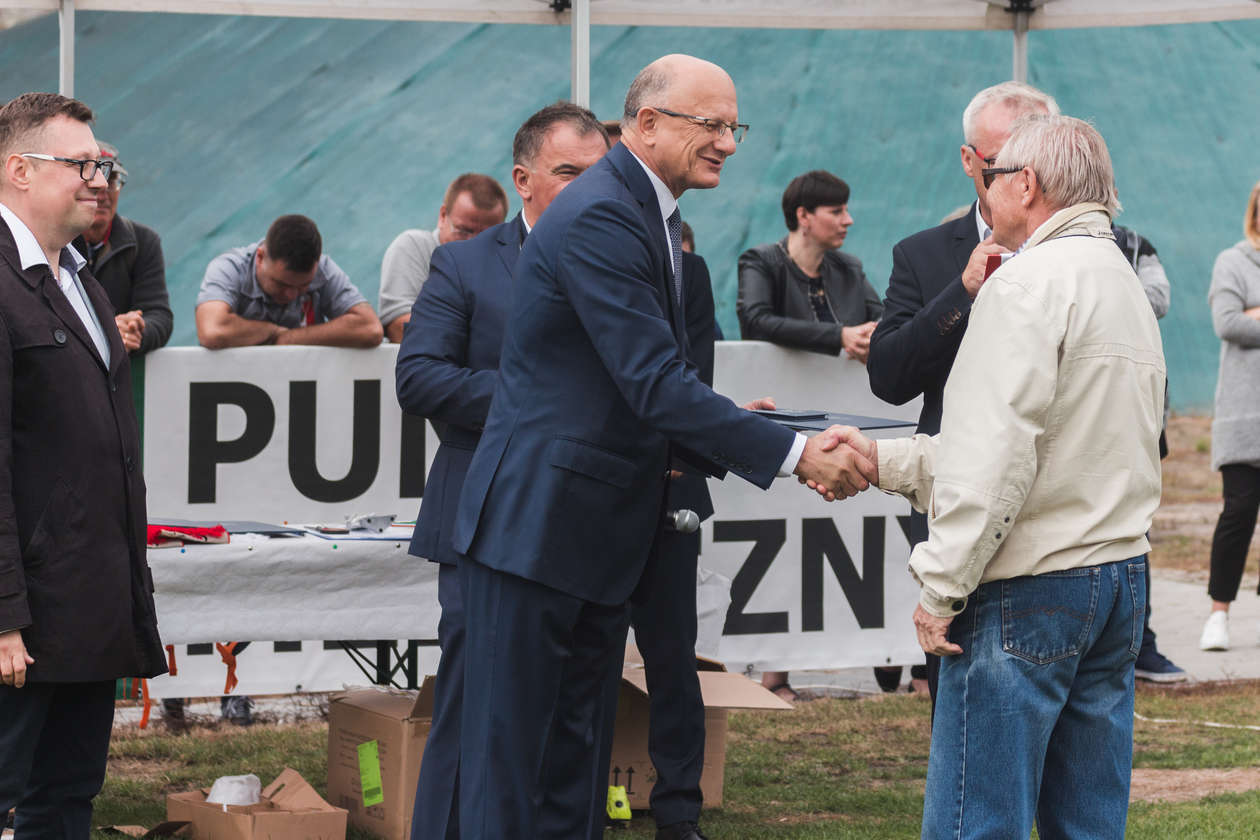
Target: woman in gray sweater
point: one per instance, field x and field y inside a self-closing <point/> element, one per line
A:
<point x="1235" y="300"/>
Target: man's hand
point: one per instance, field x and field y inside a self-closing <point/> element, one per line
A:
<point x="835" y="470"/>
<point x="933" y="633"/>
<point x="850" y="436"/>
<point x="13" y="659"/>
<point x="1253" y="313"/>
<point x="973" y="274"/>
<point x="857" y="340"/>
<point x="130" y="328"/>
<point x="763" y="404"/>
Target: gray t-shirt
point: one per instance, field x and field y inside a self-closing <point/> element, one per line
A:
<point x="230" y="278"/>
<point x="404" y="270"/>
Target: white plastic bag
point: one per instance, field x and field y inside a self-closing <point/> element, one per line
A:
<point x="235" y="790"/>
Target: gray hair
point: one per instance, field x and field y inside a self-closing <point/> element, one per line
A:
<point x="649" y="86"/>
<point x="1069" y="156"/>
<point x="1022" y="98"/>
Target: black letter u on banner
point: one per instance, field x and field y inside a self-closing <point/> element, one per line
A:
<point x="365" y="442"/>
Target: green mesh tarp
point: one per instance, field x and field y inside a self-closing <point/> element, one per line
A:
<point x="227" y="122"/>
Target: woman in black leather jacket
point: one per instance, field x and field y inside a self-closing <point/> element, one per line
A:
<point x="801" y="291"/>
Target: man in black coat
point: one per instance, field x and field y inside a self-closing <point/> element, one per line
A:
<point x="936" y="275"/>
<point x="125" y="257"/>
<point x="76" y="604"/>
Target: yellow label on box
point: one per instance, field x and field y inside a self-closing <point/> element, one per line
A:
<point x="370" y="774"/>
<point x="618" y="804"/>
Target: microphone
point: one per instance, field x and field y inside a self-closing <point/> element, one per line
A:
<point x="683" y="521"/>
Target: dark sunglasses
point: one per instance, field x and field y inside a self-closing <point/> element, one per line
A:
<point x="989" y="174"/>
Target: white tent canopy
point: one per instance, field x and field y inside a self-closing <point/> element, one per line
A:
<point x="1018" y="16"/>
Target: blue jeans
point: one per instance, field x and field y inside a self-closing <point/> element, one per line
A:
<point x="1034" y="719"/>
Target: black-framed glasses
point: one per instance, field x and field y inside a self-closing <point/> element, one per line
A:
<point x="737" y="130"/>
<point x="87" y="167"/>
<point x="988" y="161"/>
<point x="992" y="172"/>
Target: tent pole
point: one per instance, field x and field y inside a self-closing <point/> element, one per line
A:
<point x="580" y="22"/>
<point x="1019" y="54"/>
<point x="65" y="18"/>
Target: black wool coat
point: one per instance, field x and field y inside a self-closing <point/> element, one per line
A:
<point x="73" y="572"/>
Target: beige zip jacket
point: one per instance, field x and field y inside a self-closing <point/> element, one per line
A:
<point x="1048" y="454"/>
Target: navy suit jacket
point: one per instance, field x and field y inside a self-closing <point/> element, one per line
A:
<point x="447" y="363"/>
<point x="567" y="485"/>
<point x="925" y="316"/>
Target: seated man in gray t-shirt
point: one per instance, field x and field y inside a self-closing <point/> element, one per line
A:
<point x="472" y="203"/>
<point x="282" y="290"/>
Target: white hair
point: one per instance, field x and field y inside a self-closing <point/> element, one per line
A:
<point x="1022" y="98"/>
<point x="1069" y="156"/>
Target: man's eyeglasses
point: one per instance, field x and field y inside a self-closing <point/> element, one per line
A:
<point x="87" y="168"/>
<point x="737" y="130"/>
<point x="988" y="161"/>
<point x="989" y="174"/>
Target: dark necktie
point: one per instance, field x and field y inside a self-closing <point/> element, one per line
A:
<point x="674" y="222"/>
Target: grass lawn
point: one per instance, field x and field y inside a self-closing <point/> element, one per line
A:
<point x="830" y="769"/>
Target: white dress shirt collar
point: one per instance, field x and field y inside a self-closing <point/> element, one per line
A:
<point x="665" y="199"/>
<point x="67" y="276"/>
<point x="982" y="227"/>
<point x="29" y="250"/>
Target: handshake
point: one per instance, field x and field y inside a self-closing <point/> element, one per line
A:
<point x="839" y="463"/>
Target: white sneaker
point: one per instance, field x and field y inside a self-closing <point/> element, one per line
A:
<point x="1215" y="632"/>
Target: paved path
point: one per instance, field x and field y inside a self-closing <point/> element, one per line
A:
<point x="1178" y="610"/>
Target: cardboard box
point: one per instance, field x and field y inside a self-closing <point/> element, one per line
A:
<point x="290" y="809"/>
<point x="631" y="765"/>
<point x="398" y="722"/>
<point x="173" y="828"/>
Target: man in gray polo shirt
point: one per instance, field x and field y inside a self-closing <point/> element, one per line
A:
<point x="282" y="290"/>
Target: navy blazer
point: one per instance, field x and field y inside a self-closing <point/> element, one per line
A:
<point x="447" y="365"/>
<point x="925" y="316"/>
<point x="567" y="485"/>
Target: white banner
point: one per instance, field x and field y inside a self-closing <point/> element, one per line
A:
<point x="305" y="434"/>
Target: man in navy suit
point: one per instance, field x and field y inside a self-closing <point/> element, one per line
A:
<point x="936" y="275"/>
<point x="566" y="489"/>
<point x="446" y="372"/>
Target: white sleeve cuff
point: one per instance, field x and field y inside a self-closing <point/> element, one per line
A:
<point x="793" y="456"/>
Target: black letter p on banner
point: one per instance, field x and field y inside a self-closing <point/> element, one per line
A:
<point x="205" y="450"/>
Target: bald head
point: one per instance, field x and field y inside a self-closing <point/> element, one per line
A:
<point x="678" y="118"/>
<point x="661" y="79"/>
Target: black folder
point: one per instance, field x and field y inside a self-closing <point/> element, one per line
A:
<point x="804" y="420"/>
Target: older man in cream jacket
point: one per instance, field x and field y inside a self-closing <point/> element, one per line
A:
<point x="1039" y="491"/>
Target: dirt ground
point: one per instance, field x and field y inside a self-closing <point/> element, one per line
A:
<point x="1150" y="785"/>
